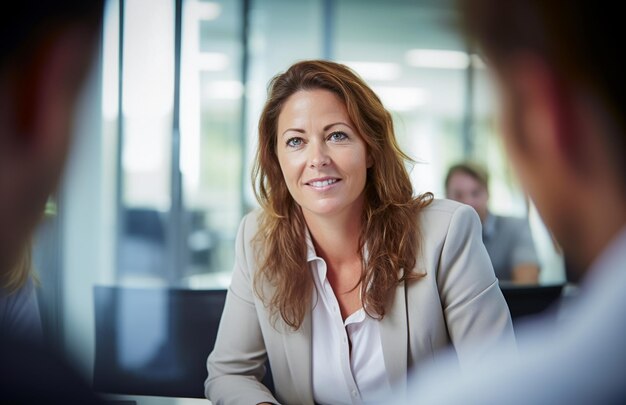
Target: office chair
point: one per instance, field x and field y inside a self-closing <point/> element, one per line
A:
<point x="155" y="341"/>
<point x="529" y="300"/>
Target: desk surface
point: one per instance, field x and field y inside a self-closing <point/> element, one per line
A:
<point x="148" y="400"/>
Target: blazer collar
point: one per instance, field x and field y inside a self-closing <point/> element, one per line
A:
<point x="394" y="338"/>
<point x="298" y="347"/>
<point x="310" y="249"/>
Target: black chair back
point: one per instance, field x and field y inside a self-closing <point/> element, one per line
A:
<point x="524" y="301"/>
<point x="154" y="341"/>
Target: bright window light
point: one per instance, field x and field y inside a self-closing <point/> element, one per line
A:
<point x="225" y="90"/>
<point x="401" y="98"/>
<point x="383" y="71"/>
<point x="437" y="59"/>
<point x="212" y="61"/>
<point x="205" y="10"/>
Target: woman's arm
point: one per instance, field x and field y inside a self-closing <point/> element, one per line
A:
<point x="477" y="316"/>
<point x="236" y="364"/>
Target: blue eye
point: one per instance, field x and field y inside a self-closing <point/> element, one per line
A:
<point x="338" y="136"/>
<point x="294" y="142"/>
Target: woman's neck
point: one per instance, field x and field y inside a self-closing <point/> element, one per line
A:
<point x="336" y="238"/>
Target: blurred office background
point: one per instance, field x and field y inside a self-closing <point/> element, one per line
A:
<point x="160" y="174"/>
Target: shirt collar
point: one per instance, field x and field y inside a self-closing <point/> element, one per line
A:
<point x="310" y="249"/>
<point x="320" y="271"/>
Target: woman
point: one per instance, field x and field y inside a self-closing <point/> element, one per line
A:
<point x="344" y="280"/>
<point x="19" y="310"/>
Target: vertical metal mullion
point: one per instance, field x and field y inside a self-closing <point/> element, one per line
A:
<point x="119" y="174"/>
<point x="176" y="229"/>
<point x="328" y="24"/>
<point x="245" y="68"/>
<point x="468" y="117"/>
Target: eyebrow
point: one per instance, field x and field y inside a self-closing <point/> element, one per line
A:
<point x="326" y="128"/>
<point x="294" y="130"/>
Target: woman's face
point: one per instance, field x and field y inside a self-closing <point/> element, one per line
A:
<point x="323" y="159"/>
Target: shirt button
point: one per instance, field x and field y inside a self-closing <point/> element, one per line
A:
<point x="354" y="393"/>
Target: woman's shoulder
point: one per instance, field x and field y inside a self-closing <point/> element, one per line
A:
<point x="251" y="224"/>
<point x="444" y="210"/>
<point x="442" y="217"/>
<point x="251" y="221"/>
<point x="19" y="312"/>
<point x="24" y="293"/>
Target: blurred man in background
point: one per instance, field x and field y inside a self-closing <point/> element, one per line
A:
<point x="563" y="96"/>
<point x="507" y="239"/>
<point x="46" y="50"/>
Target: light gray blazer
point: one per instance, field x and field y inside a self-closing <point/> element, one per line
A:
<point x="457" y="302"/>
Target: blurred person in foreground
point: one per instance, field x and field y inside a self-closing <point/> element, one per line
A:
<point x="508" y="239"/>
<point x="344" y="278"/>
<point x="563" y="97"/>
<point x="46" y="49"/>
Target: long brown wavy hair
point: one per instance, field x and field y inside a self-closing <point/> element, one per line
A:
<point x="19" y="274"/>
<point x="390" y="220"/>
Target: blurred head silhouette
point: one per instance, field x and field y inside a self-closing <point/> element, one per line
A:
<point x="46" y="50"/>
<point x="562" y="97"/>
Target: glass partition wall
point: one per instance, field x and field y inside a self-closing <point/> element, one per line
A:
<point x="194" y="76"/>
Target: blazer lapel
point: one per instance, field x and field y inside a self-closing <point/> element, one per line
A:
<point x="298" y="350"/>
<point x="394" y="337"/>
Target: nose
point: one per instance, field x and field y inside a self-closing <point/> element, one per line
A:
<point x="318" y="155"/>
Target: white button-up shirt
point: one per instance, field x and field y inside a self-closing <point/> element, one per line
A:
<point x="348" y="363"/>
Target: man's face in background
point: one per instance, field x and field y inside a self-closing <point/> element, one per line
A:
<point x="465" y="188"/>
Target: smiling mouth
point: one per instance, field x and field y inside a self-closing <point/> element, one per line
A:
<point x="322" y="183"/>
